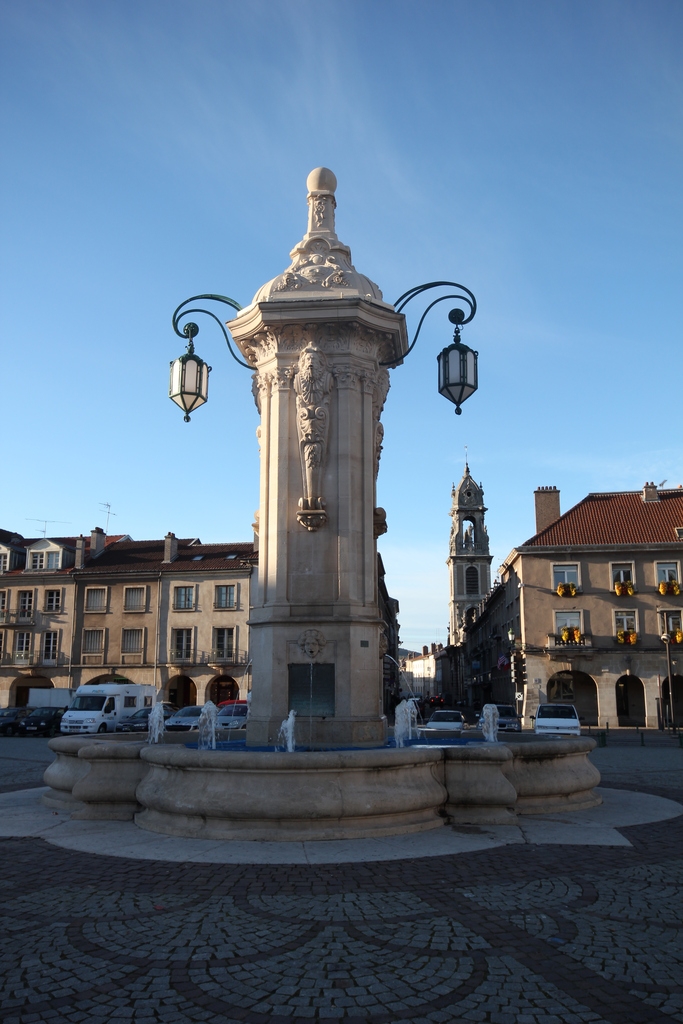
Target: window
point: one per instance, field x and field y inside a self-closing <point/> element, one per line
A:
<point x="37" y="559"/>
<point x="50" y="646"/>
<point x="129" y="702"/>
<point x="181" y="644"/>
<point x="53" y="600"/>
<point x="672" y="623"/>
<point x="567" y="620"/>
<point x="224" y="644"/>
<point x="93" y="641"/>
<point x="134" y="599"/>
<point x="225" y="597"/>
<point x="183" y="597"/>
<point x="3" y="562"/>
<point x="22" y="647"/>
<point x="471" y="580"/>
<point x="565" y="573"/>
<point x="3" y="600"/>
<point x="625" y="621"/>
<point x="667" y="572"/>
<point x="2" y="637"/>
<point x="25" y="604"/>
<point x="131" y="641"/>
<point x="53" y="559"/>
<point x="622" y="572"/>
<point x="679" y="533"/>
<point x="96" y="599"/>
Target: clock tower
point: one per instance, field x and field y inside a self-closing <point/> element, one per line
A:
<point x="469" y="561"/>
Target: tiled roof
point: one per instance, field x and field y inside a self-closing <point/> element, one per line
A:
<point x="620" y="517"/>
<point x="148" y="556"/>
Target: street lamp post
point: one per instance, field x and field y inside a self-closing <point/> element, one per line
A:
<point x="457" y="363"/>
<point x="666" y="640"/>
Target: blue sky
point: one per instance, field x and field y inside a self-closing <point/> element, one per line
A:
<point x="153" y="150"/>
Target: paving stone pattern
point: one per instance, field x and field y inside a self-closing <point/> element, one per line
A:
<point x="517" y="935"/>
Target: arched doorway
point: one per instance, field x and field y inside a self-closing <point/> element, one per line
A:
<point x="19" y="689"/>
<point x="631" y="701"/>
<point x="223" y="688"/>
<point x="579" y="689"/>
<point x="182" y="691"/>
<point x="678" y="700"/>
<point x="108" y="678"/>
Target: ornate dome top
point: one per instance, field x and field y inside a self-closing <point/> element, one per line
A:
<point x="321" y="266"/>
<point x="468" y="494"/>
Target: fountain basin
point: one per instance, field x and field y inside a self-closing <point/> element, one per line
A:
<point x="552" y="775"/>
<point x="319" y="795"/>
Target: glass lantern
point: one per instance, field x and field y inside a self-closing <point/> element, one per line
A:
<point x="189" y="386"/>
<point x="457" y="372"/>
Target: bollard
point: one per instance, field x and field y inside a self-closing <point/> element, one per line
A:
<point x="602" y="739"/>
<point x="642" y="739"/>
<point x="680" y="739"/>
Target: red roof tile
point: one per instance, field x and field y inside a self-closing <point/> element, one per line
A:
<point x="148" y="556"/>
<point x="620" y="517"/>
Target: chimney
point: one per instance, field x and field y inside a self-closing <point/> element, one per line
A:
<point x="80" y="552"/>
<point x="97" y="539"/>
<point x="650" y="492"/>
<point x="547" y="501"/>
<point x="425" y="651"/>
<point x="170" y="547"/>
<point x="433" y="649"/>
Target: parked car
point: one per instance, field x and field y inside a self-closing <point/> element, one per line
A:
<point x="508" y="719"/>
<point x="10" y="719"/>
<point x="185" y="719"/>
<point x="41" y="722"/>
<point x="232" y="716"/>
<point x="444" y="721"/>
<point x="139" y="721"/>
<point x="557" y="720"/>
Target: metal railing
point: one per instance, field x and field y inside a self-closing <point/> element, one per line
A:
<point x="20" y="618"/>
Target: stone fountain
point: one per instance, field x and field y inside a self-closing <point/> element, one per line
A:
<point x="321" y="340"/>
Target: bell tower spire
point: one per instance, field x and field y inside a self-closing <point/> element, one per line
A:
<point x="469" y="560"/>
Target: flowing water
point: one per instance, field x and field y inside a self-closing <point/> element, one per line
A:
<point x="286" y="733"/>
<point x="155" y="724"/>
<point x="405" y="721"/>
<point x="489" y="723"/>
<point x="207" y="727"/>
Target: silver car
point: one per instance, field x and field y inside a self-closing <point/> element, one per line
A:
<point x="443" y="721"/>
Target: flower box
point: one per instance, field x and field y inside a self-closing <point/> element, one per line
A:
<point x="625" y="589"/>
<point x="566" y="590"/>
<point x="670" y="587"/>
<point x="627" y="636"/>
<point x="571" y="635"/>
<point x="676" y="636"/>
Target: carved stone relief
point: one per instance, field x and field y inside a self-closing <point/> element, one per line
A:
<point x="311" y="642"/>
<point x="379" y="522"/>
<point x="312" y="383"/>
<point x="383" y="643"/>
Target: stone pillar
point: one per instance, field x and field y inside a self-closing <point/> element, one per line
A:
<point x="318" y="336"/>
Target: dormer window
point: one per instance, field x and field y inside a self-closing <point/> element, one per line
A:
<point x="4" y="559"/>
<point x="52" y="561"/>
<point x="37" y="559"/>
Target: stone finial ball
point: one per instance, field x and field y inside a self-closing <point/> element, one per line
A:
<point x="322" y="179"/>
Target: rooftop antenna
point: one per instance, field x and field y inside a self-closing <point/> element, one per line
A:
<point x="65" y="522"/>
<point x="106" y="505"/>
<point x="662" y="483"/>
<point x="467" y="461"/>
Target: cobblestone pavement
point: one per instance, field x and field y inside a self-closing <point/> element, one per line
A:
<point x="23" y="759"/>
<point x="517" y="935"/>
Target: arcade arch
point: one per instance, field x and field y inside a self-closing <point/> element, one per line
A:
<point x="182" y="691"/>
<point x="222" y="688"/>
<point x="579" y="689"/>
<point x="630" y="694"/>
<point x="678" y="700"/>
<point x="19" y="689"/>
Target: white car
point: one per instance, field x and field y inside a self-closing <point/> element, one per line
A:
<point x="557" y="720"/>
<point x="443" y="721"/>
<point x="232" y="716"/>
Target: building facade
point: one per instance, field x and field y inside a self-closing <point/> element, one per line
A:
<point x="589" y="598"/>
<point x="171" y="613"/>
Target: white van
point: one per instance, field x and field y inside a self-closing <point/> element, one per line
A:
<point x="557" y="720"/>
<point x="98" y="707"/>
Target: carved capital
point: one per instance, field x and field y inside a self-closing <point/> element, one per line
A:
<point x="283" y="377"/>
<point x="345" y="377"/>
